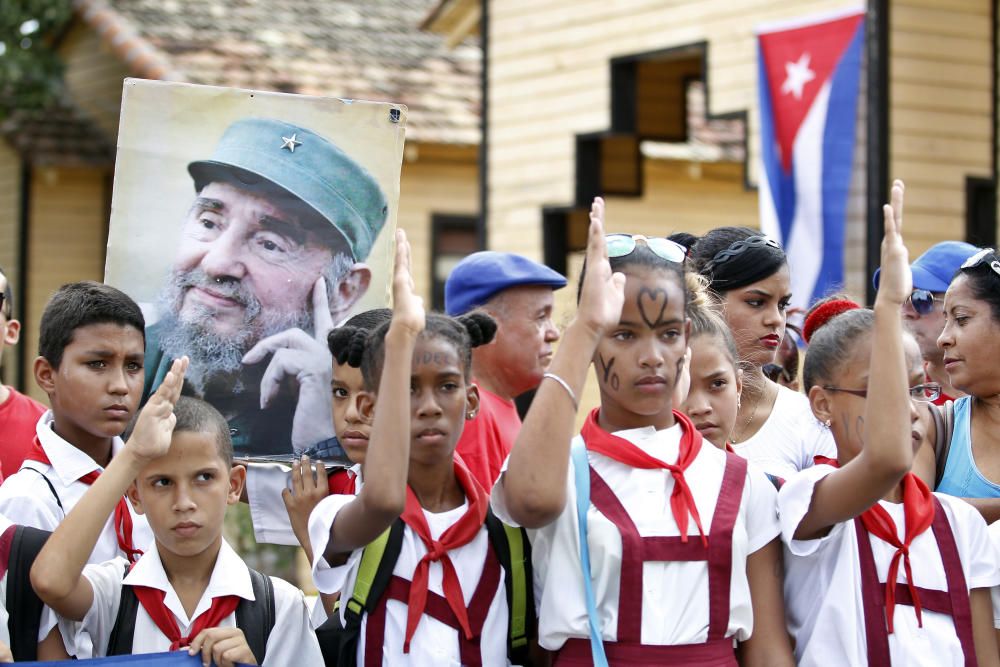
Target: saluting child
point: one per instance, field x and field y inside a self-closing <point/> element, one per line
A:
<point x="679" y="537"/>
<point x="878" y="570"/>
<point x="278" y="522"/>
<point x="191" y="589"/>
<point x="443" y="599"/>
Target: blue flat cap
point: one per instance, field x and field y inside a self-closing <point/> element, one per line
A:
<point x="934" y="269"/>
<point x="306" y="166"/>
<point x="481" y="275"/>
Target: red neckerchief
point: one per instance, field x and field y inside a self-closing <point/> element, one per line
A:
<point x="123" y="519"/>
<point x="152" y="601"/>
<point x="343" y="483"/>
<point x="458" y="534"/>
<point x="918" y="513"/>
<point x="621" y="450"/>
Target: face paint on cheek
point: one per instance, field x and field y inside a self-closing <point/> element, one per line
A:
<point x="652" y="302"/>
<point x="610" y="379"/>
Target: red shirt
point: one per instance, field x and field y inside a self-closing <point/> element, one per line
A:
<point x="18" y="417"/>
<point x="486" y="440"/>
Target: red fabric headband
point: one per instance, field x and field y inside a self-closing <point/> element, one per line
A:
<point x="823" y="314"/>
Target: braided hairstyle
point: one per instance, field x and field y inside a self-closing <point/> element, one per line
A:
<point x="734" y="257"/>
<point x="463" y="333"/>
<point x="347" y="342"/>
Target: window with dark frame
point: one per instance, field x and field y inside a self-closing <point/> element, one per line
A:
<point x="452" y="238"/>
<point x="981" y="211"/>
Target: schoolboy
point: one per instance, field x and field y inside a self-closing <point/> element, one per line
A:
<point x="190" y="585"/>
<point x="91" y="349"/>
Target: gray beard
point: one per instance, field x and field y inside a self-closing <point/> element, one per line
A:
<point x="214" y="355"/>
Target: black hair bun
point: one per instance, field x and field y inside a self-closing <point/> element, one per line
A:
<point x="481" y="327"/>
<point x="684" y="238"/>
<point x="347" y="345"/>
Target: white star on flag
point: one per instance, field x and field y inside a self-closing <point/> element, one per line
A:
<point x="799" y="75"/>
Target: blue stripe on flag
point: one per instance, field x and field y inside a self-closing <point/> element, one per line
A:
<point x="172" y="659"/>
<point x="838" y="160"/>
<point x="782" y="185"/>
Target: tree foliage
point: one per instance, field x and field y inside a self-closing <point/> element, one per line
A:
<point x="30" y="70"/>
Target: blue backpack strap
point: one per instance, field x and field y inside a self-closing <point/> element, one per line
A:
<point x="581" y="475"/>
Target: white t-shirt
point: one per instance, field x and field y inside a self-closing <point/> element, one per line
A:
<point x="994" y="532"/>
<point x="823" y="582"/>
<point x="434" y="643"/>
<point x="265" y="482"/>
<point x="292" y="640"/>
<point x="4" y="630"/>
<point x="789" y="439"/>
<point x="675" y="607"/>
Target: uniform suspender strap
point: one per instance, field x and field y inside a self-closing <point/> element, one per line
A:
<point x="438" y="608"/>
<point x="637" y="550"/>
<point x="720" y="545"/>
<point x="514" y="552"/>
<point x="958" y="589"/>
<point x="123" y="631"/>
<point x="581" y="477"/>
<point x="20" y="546"/>
<point x="954" y="602"/>
<point x="256" y="619"/>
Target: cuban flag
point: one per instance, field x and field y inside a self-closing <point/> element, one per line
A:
<point x="809" y="76"/>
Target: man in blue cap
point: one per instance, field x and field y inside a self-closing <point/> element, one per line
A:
<point x="270" y="258"/>
<point x="518" y="294"/>
<point x="923" y="312"/>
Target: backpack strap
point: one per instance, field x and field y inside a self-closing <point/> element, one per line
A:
<point x="48" y="483"/>
<point x="581" y="477"/>
<point x="514" y="553"/>
<point x="256" y="618"/>
<point x="339" y="643"/>
<point x="944" y="428"/>
<point x="22" y="602"/>
<point x="123" y="631"/>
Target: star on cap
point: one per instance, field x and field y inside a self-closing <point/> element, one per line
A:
<point x="290" y="142"/>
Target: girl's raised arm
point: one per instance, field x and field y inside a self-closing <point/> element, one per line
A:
<point x="887" y="453"/>
<point x="383" y="496"/>
<point x="534" y="484"/>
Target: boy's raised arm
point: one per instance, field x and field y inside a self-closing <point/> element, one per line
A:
<point x="383" y="496"/>
<point x="57" y="574"/>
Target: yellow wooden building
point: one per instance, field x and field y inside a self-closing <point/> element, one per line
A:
<point x="56" y="167"/>
<point x="653" y="103"/>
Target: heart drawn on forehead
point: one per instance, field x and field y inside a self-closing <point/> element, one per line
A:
<point x="652" y="303"/>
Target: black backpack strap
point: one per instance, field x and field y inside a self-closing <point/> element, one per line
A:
<point x="513" y="550"/>
<point x="22" y="603"/>
<point x="48" y="483"/>
<point x="123" y="631"/>
<point x="256" y="619"/>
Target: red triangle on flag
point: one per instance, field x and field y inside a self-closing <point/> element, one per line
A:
<point x="798" y="62"/>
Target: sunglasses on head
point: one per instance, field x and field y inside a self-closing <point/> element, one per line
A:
<point x="922" y="301"/>
<point x="984" y="256"/>
<point x="620" y="245"/>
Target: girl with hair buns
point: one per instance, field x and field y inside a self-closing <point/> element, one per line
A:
<point x="748" y="274"/>
<point x="878" y="570"/>
<point x="652" y="546"/>
<point x="443" y="599"/>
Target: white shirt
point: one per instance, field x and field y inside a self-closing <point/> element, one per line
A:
<point x="4" y="630"/>
<point x="823" y="582"/>
<point x="675" y="607"/>
<point x="433" y="643"/>
<point x="265" y="482"/>
<point x="27" y="500"/>
<point x="789" y="439"/>
<point x="292" y="640"/>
